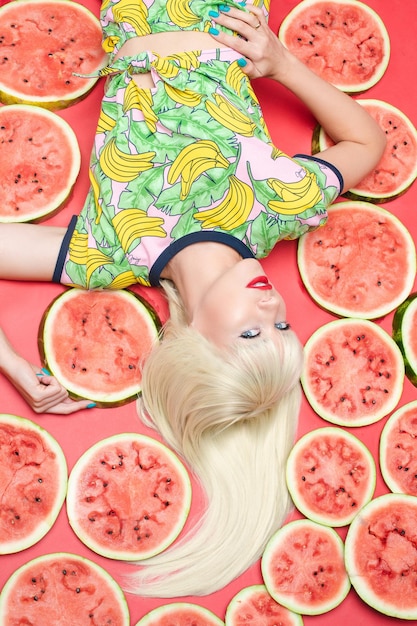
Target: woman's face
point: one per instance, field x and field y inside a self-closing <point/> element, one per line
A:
<point x="240" y="306"/>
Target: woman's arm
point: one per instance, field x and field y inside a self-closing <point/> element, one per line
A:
<point x="43" y="393"/>
<point x="359" y="141"/>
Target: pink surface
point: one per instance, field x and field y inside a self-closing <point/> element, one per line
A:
<point x="23" y="304"/>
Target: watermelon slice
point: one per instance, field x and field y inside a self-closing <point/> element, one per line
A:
<point x="398" y="450"/>
<point x="343" y="276"/>
<point x="128" y="497"/>
<point x="180" y="614"/>
<point x="62" y="589"/>
<point x="404" y="332"/>
<point x="331" y="475"/>
<point x="303" y="568"/>
<point x="33" y="482"/>
<point x="343" y="41"/>
<point x="381" y="555"/>
<point x="44" y="44"/>
<point x="255" y="607"/>
<point x="397" y="169"/>
<point x="39" y="163"/>
<point x="95" y="342"/>
<point x="353" y="373"/>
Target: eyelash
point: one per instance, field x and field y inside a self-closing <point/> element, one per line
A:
<point x="251" y="334"/>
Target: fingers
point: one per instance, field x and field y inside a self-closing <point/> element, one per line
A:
<point x="244" y="23"/>
<point x="69" y="406"/>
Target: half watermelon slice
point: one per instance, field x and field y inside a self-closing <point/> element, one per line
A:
<point x="398" y="450"/>
<point x="254" y="606"/>
<point x="404" y="332"/>
<point x="180" y="614"/>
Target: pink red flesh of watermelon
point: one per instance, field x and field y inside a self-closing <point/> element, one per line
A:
<point x="404" y="328"/>
<point x="381" y="555"/>
<point x="33" y="481"/>
<point x="330" y="476"/>
<point x="62" y="589"/>
<point x="353" y="373"/>
<point x="255" y="607"/>
<point x="303" y="568"/>
<point x="94" y="342"/>
<point x="39" y="162"/>
<point x="43" y="44"/>
<point x="398" y="450"/>
<point x="128" y="497"/>
<point x="180" y="614"/>
<point x="361" y="263"/>
<point x="397" y="169"/>
<point x="346" y="43"/>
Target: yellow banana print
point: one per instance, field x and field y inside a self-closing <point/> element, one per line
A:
<point x="187" y="98"/>
<point x="123" y="167"/>
<point x="166" y="68"/>
<point x="296" y="197"/>
<point x="180" y="13"/>
<point x="233" y="210"/>
<point x="105" y="123"/>
<point x="135" y="13"/>
<point x="126" y="279"/>
<point x="95" y="259"/>
<point x="192" y="161"/>
<point x="96" y="193"/>
<point x="234" y="76"/>
<point x="78" y="248"/>
<point x="230" y="117"/>
<point x="187" y="60"/>
<point x="109" y="43"/>
<point x="131" y="224"/>
<point x="141" y="99"/>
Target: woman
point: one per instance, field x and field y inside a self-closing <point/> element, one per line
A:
<point x="187" y="190"/>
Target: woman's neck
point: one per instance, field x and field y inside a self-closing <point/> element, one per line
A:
<point x="196" y="267"/>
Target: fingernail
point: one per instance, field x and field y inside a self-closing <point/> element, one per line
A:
<point x="91" y="405"/>
<point x="46" y="372"/>
<point x="224" y="8"/>
<point x="242" y="4"/>
<point x="213" y="31"/>
<point x="213" y="14"/>
<point x="242" y="62"/>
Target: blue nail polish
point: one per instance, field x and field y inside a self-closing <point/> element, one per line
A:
<point x="224" y="8"/>
<point x="46" y="372"/>
<point x="91" y="405"/>
<point x="213" y="31"/>
<point x="242" y="4"/>
<point x="242" y="62"/>
<point x="213" y="14"/>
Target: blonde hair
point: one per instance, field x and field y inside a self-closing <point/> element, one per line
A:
<point x="232" y="417"/>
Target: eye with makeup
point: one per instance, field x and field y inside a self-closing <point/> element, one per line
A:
<point x="255" y="332"/>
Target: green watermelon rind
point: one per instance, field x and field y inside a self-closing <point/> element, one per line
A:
<point x="291" y="476"/>
<point x="61" y="479"/>
<point x="8" y="95"/>
<point x="104" y="400"/>
<point x="100" y="571"/>
<point x="245" y="596"/>
<point x="358" y="579"/>
<point x="343" y="310"/>
<point x="352" y="88"/>
<point x="55" y="205"/>
<point x="396" y="392"/>
<point x="155" y="616"/>
<point x="387" y="475"/>
<point x="400" y="327"/>
<point x="71" y="500"/>
<point x="319" y="143"/>
<point x="279" y="538"/>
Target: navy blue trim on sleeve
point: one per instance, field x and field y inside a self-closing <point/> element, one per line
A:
<point x="56" y="277"/>
<point x="333" y="167"/>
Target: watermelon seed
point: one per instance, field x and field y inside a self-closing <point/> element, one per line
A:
<point x="64" y="571"/>
<point x="77" y="590"/>
<point x="35" y="598"/>
<point x="34" y="580"/>
<point x="40" y="480"/>
<point x="37" y="499"/>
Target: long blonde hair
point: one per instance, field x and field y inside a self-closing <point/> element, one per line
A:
<point x="232" y="417"/>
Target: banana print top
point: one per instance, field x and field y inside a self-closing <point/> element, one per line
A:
<point x="189" y="160"/>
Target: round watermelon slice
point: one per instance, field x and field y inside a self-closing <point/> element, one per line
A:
<point x="255" y="607"/>
<point x="353" y="373"/>
<point x="303" y="568"/>
<point x="404" y="332"/>
<point x="61" y="589"/>
<point x="331" y="475"/>
<point x="397" y="169"/>
<point x="45" y="44"/>
<point x="398" y="450"/>
<point x="33" y="482"/>
<point x="95" y="342"/>
<point x="343" y="41"/>
<point x="381" y="555"/>
<point x="361" y="263"/>
<point x="180" y="614"/>
<point x="39" y="163"/>
<point x="128" y="497"/>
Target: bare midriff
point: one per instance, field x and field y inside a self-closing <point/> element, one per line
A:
<point x="165" y="44"/>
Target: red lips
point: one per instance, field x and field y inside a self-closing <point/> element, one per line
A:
<point x="260" y="282"/>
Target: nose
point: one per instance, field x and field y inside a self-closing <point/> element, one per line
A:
<point x="269" y="302"/>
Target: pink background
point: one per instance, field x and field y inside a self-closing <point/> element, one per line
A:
<point x="22" y="306"/>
